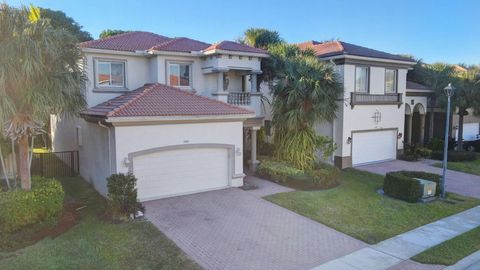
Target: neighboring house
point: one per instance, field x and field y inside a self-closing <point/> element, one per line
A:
<point x="369" y="126"/>
<point x="170" y="110"/>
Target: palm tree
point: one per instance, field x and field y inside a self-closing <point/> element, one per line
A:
<point x="305" y="92"/>
<point x="260" y="38"/>
<point x="41" y="74"/>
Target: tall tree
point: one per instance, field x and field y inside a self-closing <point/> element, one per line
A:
<point x="40" y="74"/>
<point x="260" y="37"/>
<point x="305" y="92"/>
<point x="58" y="19"/>
<point x="111" y="32"/>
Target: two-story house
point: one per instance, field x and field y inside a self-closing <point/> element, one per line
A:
<point x="172" y="111"/>
<point x="370" y="121"/>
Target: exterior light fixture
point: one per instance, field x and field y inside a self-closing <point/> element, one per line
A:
<point x="399" y="136"/>
<point x="349" y="140"/>
<point x="449" y="91"/>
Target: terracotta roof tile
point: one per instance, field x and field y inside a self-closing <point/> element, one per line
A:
<point x="333" y="48"/>
<point x="234" y="46"/>
<point x="130" y="41"/>
<point x="414" y="85"/>
<point x="162" y="100"/>
<point x="181" y="44"/>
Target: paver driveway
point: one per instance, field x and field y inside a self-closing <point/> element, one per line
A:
<point x="236" y="229"/>
<point x="458" y="182"/>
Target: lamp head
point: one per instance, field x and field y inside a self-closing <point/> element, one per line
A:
<point x="449" y="90"/>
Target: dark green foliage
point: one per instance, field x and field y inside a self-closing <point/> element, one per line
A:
<point x="122" y="195"/>
<point x="414" y="152"/>
<point x="58" y="19"/>
<point x="111" y="32"/>
<point x="260" y="37"/>
<point x="403" y="186"/>
<point x="277" y="171"/>
<point x="19" y="208"/>
<point x="325" y="177"/>
<point x="435" y="144"/>
<point x="455" y="156"/>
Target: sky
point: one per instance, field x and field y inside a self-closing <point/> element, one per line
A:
<point x="432" y="30"/>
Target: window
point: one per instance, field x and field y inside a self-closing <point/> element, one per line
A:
<point x="179" y="74"/>
<point x="361" y="79"/>
<point x="390" y="81"/>
<point x="110" y="74"/>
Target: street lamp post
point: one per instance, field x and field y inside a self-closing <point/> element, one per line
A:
<point x="449" y="90"/>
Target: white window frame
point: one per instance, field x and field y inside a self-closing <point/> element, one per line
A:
<point x="367" y="87"/>
<point x="395" y="75"/>
<point x="167" y="73"/>
<point x="110" y="61"/>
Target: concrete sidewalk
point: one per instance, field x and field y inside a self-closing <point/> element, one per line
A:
<point x="400" y="248"/>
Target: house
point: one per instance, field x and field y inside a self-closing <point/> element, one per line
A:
<point x="370" y="121"/>
<point x="173" y="111"/>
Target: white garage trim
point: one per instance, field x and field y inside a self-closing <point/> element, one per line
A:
<point x="230" y="169"/>
<point x="359" y="155"/>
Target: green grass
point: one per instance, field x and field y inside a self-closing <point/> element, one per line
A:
<point x="356" y="209"/>
<point x="453" y="250"/>
<point x="94" y="244"/>
<point x="472" y="167"/>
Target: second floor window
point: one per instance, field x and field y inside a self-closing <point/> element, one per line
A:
<point x="179" y="74"/>
<point x="390" y="81"/>
<point x="361" y="79"/>
<point x="110" y="74"/>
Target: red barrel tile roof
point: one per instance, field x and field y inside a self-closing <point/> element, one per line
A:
<point x="333" y="48"/>
<point x="145" y="41"/>
<point x="162" y="100"/>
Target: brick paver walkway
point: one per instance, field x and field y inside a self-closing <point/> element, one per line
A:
<point x="236" y="229"/>
<point x="458" y="182"/>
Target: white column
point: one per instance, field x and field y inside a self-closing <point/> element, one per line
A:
<point x="409" y="128"/>
<point x="253" y="156"/>
<point x="422" y="128"/>
<point x="220" y="82"/>
<point x="253" y="81"/>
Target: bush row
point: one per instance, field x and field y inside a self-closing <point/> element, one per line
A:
<point x="455" y="155"/>
<point x="19" y="208"/>
<point x="402" y="185"/>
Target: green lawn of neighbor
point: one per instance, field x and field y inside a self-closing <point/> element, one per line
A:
<point x="356" y="209"/>
<point x="472" y="167"/>
<point x="92" y="243"/>
<point x="453" y="250"/>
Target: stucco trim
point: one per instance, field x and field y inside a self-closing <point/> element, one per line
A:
<point x="229" y="147"/>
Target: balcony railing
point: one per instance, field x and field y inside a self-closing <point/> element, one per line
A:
<point x="370" y="99"/>
<point x="239" y="98"/>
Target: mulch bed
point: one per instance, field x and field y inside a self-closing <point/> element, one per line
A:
<point x="67" y="220"/>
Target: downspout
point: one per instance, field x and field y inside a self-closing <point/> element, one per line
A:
<point x="109" y="146"/>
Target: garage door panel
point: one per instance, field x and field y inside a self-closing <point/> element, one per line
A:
<point x="175" y="172"/>
<point x="373" y="146"/>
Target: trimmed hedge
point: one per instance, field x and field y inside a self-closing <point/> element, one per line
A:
<point x="456" y="156"/>
<point x="277" y="171"/>
<point x="402" y="185"/>
<point x="19" y="208"/>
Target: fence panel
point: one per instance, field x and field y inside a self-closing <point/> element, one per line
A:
<point x="55" y="164"/>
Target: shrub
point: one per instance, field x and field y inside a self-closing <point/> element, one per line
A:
<point x="325" y="177"/>
<point x="266" y="149"/>
<point x="277" y="171"/>
<point x="122" y="195"/>
<point x="455" y="156"/>
<point x="413" y="153"/>
<point x="19" y="208"/>
<point x="402" y="185"/>
<point x="435" y="144"/>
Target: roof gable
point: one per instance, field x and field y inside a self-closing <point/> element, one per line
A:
<point x="162" y="100"/>
<point x="234" y="46"/>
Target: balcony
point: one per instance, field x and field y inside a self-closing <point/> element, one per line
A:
<point x="371" y="99"/>
<point x="239" y="98"/>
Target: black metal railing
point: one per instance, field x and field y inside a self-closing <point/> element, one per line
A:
<point x="55" y="164"/>
<point x="239" y="98"/>
<point x="371" y="99"/>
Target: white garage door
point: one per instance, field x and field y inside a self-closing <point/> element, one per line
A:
<point x="374" y="146"/>
<point x="183" y="171"/>
<point x="470" y="131"/>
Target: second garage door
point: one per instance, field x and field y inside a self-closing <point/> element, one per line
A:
<point x="183" y="171"/>
<point x="373" y="146"/>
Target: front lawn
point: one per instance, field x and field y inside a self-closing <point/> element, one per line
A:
<point x="453" y="250"/>
<point x="92" y="243"/>
<point x="356" y="209"/>
<point x="472" y="167"/>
